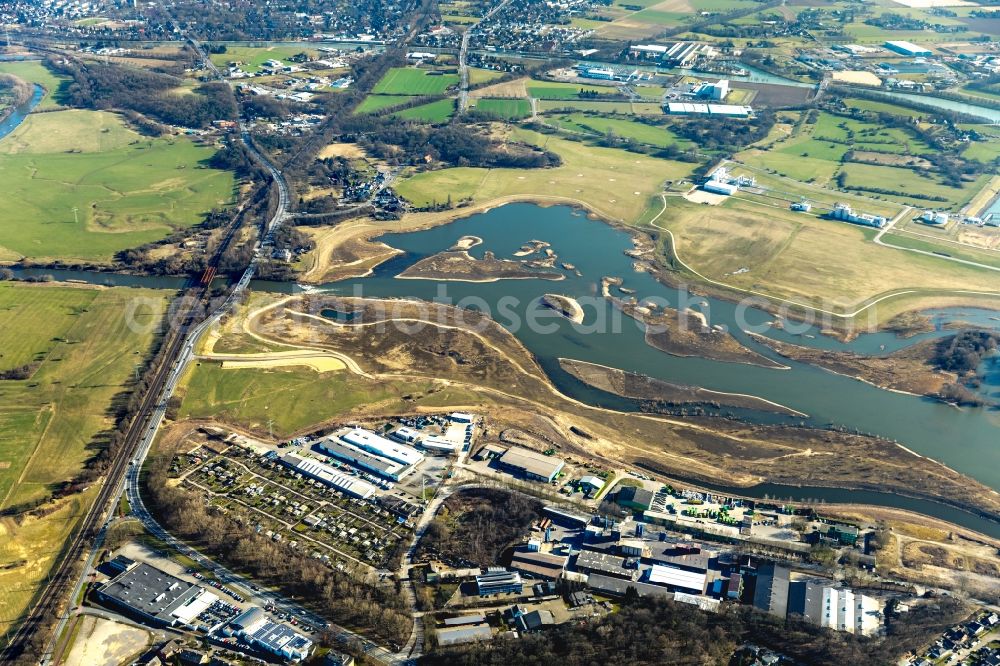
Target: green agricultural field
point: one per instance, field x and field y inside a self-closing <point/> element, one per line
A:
<point x="479" y="75"/>
<point x="412" y="81"/>
<point x="617" y="184"/>
<point x="119" y="191"/>
<point x="565" y="91"/>
<point x="652" y="135"/>
<point x="508" y="109"/>
<point x="34" y="71"/>
<point x="983" y="151"/>
<point x="435" y="112"/>
<point x="85" y="343"/>
<point x="295" y="398"/>
<point x="882" y="107"/>
<point x="374" y="103"/>
<point x="254" y="57"/>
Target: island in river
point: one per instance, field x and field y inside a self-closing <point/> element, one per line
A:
<point x="684" y="333"/>
<point x="643" y="387"/>
<point x="460" y="265"/>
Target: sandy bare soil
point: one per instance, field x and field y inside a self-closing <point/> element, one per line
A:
<point x="349" y="150"/>
<point x="859" y="77"/>
<point x="101" y="642"/>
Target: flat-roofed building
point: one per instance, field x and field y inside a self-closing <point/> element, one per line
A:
<point x="156" y="596"/>
<point x="363" y="459"/>
<point x="499" y="581"/>
<point x="907" y="48"/>
<point x="380" y="446"/>
<point x="619" y="586"/>
<point x="329" y="476"/>
<point x="459" y="635"/>
<point x="771" y="593"/>
<point x="531" y="464"/>
<point x="676" y="580"/>
<point x="253" y="626"/>
<point x="539" y="565"/>
<point x="590" y="561"/>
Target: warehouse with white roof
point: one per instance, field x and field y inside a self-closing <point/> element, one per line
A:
<point x="329" y="476"/>
<point x="369" y="441"/>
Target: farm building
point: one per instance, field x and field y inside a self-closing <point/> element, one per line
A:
<point x="530" y="464"/>
<point x="907" y="48"/>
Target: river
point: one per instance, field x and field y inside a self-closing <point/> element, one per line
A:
<point x="21" y="112"/>
<point x="964" y="439"/>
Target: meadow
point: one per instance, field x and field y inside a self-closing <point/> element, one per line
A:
<point x="34" y="71"/>
<point x="615" y="183"/>
<point x="411" y="81"/>
<point x="83" y="187"/>
<point x="294" y="398"/>
<point x="865" y="177"/>
<point x="86" y="353"/>
<point x="565" y="91"/>
<point x="652" y="135"/>
<point x="433" y="112"/>
<point x="373" y="103"/>
<point x="823" y="263"/>
<point x="508" y="109"/>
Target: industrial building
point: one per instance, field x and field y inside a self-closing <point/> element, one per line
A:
<point x="771" y="593"/>
<point x="637" y="499"/>
<point x="352" y="455"/>
<point x="530" y="464"/>
<point x="538" y="565"/>
<point x="676" y="580"/>
<point x="380" y="446"/>
<point x="459" y="635"/>
<point x="328" y="476"/>
<point x="675" y="54"/>
<point x="844" y="213"/>
<point x="934" y="217"/>
<point x="693" y="109"/>
<point x="606" y="564"/>
<point x="591" y="485"/>
<point x="818" y="602"/>
<point x="499" y="581"/>
<point x="278" y="639"/>
<point x="715" y="91"/>
<point x="155" y="596"/>
<point x="718" y="187"/>
<point x="907" y="48"/>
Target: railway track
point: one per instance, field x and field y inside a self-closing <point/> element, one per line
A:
<point x="22" y="643"/>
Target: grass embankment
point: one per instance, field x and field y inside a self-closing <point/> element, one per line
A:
<point x="82" y="186"/>
<point x="86" y="353"/>
<point x="614" y="183"/>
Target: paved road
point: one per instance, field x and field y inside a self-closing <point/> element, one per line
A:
<point x="463" y="55"/>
